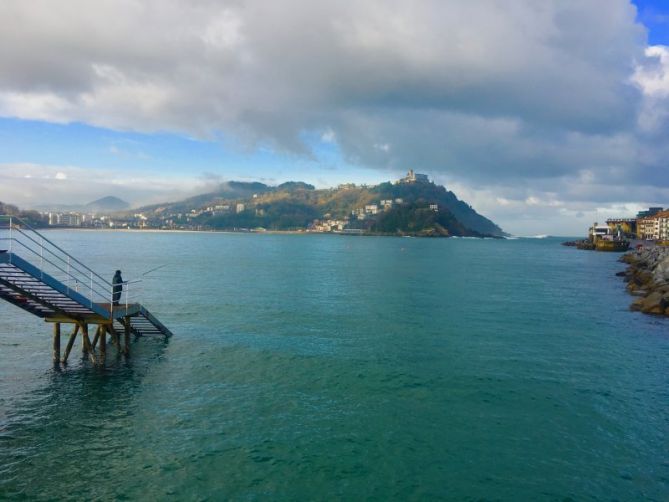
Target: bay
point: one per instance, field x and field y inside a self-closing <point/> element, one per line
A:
<point x="322" y="366"/>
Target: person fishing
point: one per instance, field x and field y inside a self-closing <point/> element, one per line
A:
<point x="117" y="282"/>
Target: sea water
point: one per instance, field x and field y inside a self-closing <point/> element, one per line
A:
<point x="339" y="367"/>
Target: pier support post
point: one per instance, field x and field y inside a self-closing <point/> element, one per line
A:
<point x="96" y="337"/>
<point x="115" y="337"/>
<point x="126" y="336"/>
<point x="70" y="343"/>
<point x="87" y="348"/>
<point x="103" y="344"/>
<point x="56" y="343"/>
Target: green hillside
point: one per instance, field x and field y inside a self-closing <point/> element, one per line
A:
<point x="413" y="209"/>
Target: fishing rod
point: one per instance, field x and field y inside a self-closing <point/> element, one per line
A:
<point x="154" y="269"/>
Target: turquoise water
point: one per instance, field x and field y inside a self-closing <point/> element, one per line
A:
<point x="330" y="367"/>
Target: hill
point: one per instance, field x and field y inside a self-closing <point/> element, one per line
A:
<point x="107" y="204"/>
<point x="402" y="208"/>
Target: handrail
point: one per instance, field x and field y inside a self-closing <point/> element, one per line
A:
<point x="23" y="235"/>
<point x="61" y="259"/>
<point x="23" y="222"/>
<point x="42" y="258"/>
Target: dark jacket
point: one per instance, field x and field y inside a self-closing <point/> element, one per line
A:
<point x="117" y="281"/>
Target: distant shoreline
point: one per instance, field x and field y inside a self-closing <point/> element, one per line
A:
<point x="273" y="232"/>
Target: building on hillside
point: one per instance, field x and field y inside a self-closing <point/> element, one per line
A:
<point x="239" y="207"/>
<point x="413" y="177"/>
<point x="434" y="207"/>
<point x="371" y="209"/>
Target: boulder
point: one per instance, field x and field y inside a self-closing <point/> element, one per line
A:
<point x="637" y="304"/>
<point x="653" y="303"/>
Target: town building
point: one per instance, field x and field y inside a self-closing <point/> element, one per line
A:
<point x="651" y="211"/>
<point x="239" y="207"/>
<point x="625" y="226"/>
<point x="65" y="219"/>
<point x="434" y="207"/>
<point x="654" y="227"/>
<point x="648" y="228"/>
<point x="598" y="231"/>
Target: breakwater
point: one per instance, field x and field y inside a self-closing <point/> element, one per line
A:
<point x="648" y="278"/>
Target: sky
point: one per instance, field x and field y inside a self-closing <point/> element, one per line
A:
<point x="544" y="116"/>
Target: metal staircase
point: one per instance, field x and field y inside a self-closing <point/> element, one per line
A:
<point x="44" y="280"/>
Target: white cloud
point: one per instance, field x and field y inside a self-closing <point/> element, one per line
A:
<point x="653" y="76"/>
<point x="329" y="136"/>
<point x="29" y="185"/>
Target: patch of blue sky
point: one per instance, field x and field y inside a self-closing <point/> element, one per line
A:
<point x="81" y="145"/>
<point x="654" y="14"/>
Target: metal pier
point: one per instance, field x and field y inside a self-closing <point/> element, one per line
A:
<point x="44" y="280"/>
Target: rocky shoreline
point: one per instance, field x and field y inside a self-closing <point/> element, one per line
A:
<point x="648" y="278"/>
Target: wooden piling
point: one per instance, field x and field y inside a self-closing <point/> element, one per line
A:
<point x="103" y="344"/>
<point x="88" y="349"/>
<point x="97" y="336"/>
<point x="114" y="336"/>
<point x="126" y="336"/>
<point x="56" y="343"/>
<point x="70" y="343"/>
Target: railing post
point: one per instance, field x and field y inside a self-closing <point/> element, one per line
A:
<point x="41" y="258"/>
<point x="11" y="235"/>
<point x="91" y="298"/>
<point x="68" y="275"/>
<point x="127" y="293"/>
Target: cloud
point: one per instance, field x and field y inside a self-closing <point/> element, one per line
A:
<point x="536" y="96"/>
<point x="30" y="185"/>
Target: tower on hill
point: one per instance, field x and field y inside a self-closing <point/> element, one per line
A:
<point x="412" y="177"/>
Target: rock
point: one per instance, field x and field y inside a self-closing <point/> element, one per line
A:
<point x="652" y="304"/>
<point x="648" y="278"/>
<point x="636" y="304"/>
<point x="643" y="277"/>
<point x="621" y="274"/>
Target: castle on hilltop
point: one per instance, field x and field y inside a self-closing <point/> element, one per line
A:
<point x="412" y="177"/>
